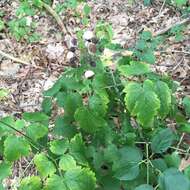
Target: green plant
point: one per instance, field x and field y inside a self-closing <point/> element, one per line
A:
<point x="23" y="26"/>
<point x="114" y="132"/>
<point x="145" y="47"/>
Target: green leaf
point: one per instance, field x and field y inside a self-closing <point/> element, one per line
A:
<point x="31" y="183"/>
<point x="80" y="179"/>
<point x="37" y="3"/>
<point x="59" y="147"/>
<point x="88" y="120"/>
<point x="2" y="26"/>
<point x="185" y="128"/>
<point x="173" y="160"/>
<point x="87" y="9"/>
<point x="70" y="102"/>
<point x="135" y="68"/>
<point x="159" y="164"/>
<point x="4" y="129"/>
<point x="144" y="187"/>
<point x="186" y="104"/>
<point x="5" y="170"/>
<point x="164" y="94"/>
<point x="44" y="165"/>
<point x="3" y="92"/>
<point x="162" y="140"/>
<point x="173" y="179"/>
<point x="15" y="147"/>
<point x="47" y="105"/>
<point x="148" y="56"/>
<point x="142" y="102"/>
<point x="36" y="131"/>
<point x="67" y="162"/>
<point x="35" y="116"/>
<point x="98" y="104"/>
<point x="77" y="149"/>
<point x="180" y="2"/>
<point x="55" y="182"/>
<point x="63" y="127"/>
<point x="126" y="166"/>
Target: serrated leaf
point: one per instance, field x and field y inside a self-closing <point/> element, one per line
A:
<point x="63" y="127"/>
<point x="135" y="68"/>
<point x="173" y="179"/>
<point x="70" y="102"/>
<point x="15" y="147"/>
<point x="144" y="187"/>
<point x="77" y="149"/>
<point x="44" y="165"/>
<point x="36" y="131"/>
<point x="30" y="183"/>
<point x="55" y="182"/>
<point x="89" y="120"/>
<point x="35" y="116"/>
<point x="4" y="129"/>
<point x="59" y="147"/>
<point x="162" y="140"/>
<point x="80" y="179"/>
<point x="164" y="94"/>
<point x="98" y="104"/>
<point x="186" y="104"/>
<point x="67" y="162"/>
<point x="5" y="170"/>
<point x="142" y="102"/>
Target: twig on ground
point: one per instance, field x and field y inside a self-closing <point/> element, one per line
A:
<point x="13" y="58"/>
<point x="57" y="18"/>
<point x="163" y="31"/>
<point x="163" y="4"/>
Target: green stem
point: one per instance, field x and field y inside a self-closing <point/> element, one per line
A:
<point x="147" y="163"/>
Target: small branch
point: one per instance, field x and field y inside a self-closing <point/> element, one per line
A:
<point x="160" y="32"/>
<point x="57" y="18"/>
<point x="13" y="58"/>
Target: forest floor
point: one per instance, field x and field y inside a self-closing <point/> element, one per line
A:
<point x="46" y="58"/>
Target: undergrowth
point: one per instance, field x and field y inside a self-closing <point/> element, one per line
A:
<point x="119" y="129"/>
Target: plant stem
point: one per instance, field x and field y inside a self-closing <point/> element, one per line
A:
<point x="147" y="163"/>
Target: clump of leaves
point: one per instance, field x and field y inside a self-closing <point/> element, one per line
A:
<point x="114" y="132"/>
<point x="145" y="47"/>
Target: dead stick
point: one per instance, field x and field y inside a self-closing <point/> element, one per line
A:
<point x="13" y="58"/>
<point x="57" y="18"/>
<point x="160" y="32"/>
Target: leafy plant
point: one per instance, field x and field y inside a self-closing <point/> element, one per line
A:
<point x="145" y="47"/>
<point x="115" y="130"/>
<point x="113" y="133"/>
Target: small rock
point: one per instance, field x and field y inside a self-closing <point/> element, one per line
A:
<point x="88" y="35"/>
<point x="89" y="74"/>
<point x="72" y="59"/>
